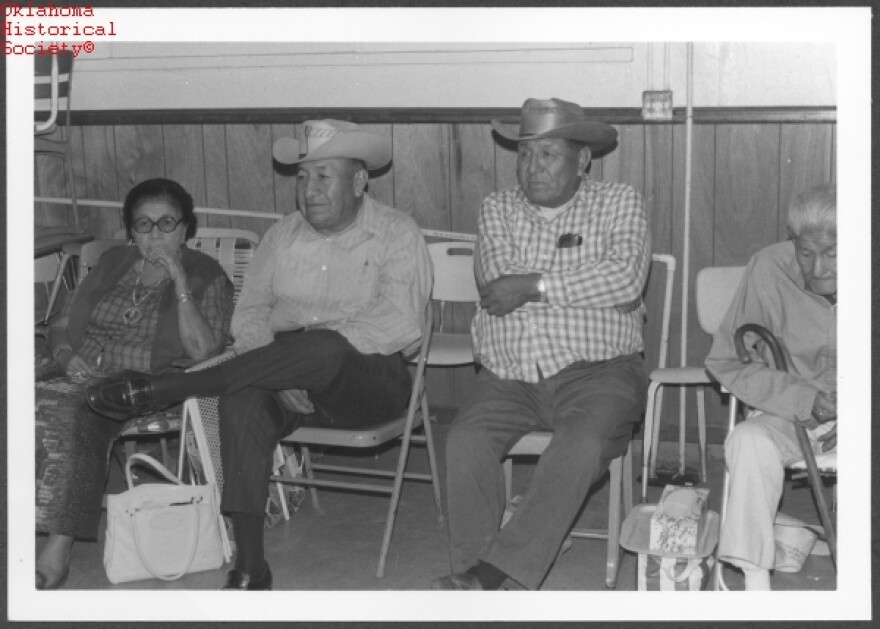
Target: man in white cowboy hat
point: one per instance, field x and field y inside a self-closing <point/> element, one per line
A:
<point x="561" y="263"/>
<point x="333" y="299"/>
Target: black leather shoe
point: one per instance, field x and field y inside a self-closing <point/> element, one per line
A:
<point x="238" y="580"/>
<point x="122" y="398"/>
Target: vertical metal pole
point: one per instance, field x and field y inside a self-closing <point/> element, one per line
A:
<point x="686" y="245"/>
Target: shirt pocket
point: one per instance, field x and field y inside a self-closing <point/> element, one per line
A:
<point x="567" y="258"/>
<point x="352" y="280"/>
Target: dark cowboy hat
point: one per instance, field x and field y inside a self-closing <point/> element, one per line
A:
<point x="326" y="139"/>
<point x="557" y="118"/>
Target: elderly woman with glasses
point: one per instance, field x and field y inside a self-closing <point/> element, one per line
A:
<point x="144" y="307"/>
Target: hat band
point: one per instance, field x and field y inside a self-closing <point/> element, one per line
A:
<point x="537" y="121"/>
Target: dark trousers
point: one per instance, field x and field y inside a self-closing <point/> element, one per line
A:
<point x="591" y="408"/>
<point x="348" y="389"/>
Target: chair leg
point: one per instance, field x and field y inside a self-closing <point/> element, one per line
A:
<point x="816" y="486"/>
<point x="682" y="428"/>
<point x="649" y="439"/>
<point x="166" y="455"/>
<point x="627" y="480"/>
<point x="701" y="428"/>
<point x="307" y="468"/>
<point x="718" y="570"/>
<point x="432" y="457"/>
<point x="612" y="565"/>
<point x="279" y="486"/>
<point x="508" y="478"/>
<point x="395" y="491"/>
<point x="64" y="260"/>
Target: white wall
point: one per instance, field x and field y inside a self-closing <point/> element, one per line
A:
<point x="138" y="76"/>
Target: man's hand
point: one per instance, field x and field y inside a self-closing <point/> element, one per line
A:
<point x="297" y="400"/>
<point x="825" y="407"/>
<point x="508" y="292"/>
<point x="829" y="439"/>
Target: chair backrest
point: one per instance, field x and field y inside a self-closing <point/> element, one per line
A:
<point x="45" y="269"/>
<point x="453" y="261"/>
<point x="232" y="248"/>
<point x="668" y="261"/>
<point x="454" y="280"/>
<point x="53" y="80"/>
<point x="716" y="287"/>
<point x="92" y="251"/>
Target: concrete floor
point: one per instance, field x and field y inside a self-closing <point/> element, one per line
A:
<point x="338" y="548"/>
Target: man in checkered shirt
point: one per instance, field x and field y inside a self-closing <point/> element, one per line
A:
<point x="561" y="264"/>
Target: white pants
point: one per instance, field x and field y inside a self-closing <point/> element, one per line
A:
<point x="757" y="452"/>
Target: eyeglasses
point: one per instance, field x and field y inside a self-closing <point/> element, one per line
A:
<point x="166" y="224"/>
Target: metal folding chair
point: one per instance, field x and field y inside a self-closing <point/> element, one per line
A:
<point x="715" y="288"/>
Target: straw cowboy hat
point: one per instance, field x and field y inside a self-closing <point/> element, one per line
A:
<point x="325" y="139"/>
<point x="557" y="118"/>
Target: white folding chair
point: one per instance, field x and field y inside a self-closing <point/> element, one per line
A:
<point x="200" y="445"/>
<point x="715" y="288"/>
<point x="621" y="481"/>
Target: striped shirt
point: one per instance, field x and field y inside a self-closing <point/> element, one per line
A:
<point x="370" y="282"/>
<point x="584" y="282"/>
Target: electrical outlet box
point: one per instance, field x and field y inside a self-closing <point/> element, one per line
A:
<point x="657" y="105"/>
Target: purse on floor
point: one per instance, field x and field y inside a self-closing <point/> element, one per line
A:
<point x="161" y="530"/>
<point x="669" y="570"/>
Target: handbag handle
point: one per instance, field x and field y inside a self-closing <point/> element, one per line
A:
<point x="669" y="569"/>
<point x="144" y="560"/>
<point x="146" y="458"/>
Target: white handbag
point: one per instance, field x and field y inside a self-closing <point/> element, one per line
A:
<point x="161" y="530"/>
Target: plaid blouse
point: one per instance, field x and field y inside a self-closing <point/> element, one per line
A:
<point x="585" y="278"/>
<point x="120" y="346"/>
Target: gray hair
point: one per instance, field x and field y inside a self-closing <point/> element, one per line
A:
<point x="814" y="209"/>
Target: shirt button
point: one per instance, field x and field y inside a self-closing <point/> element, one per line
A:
<point x="323" y="267"/>
<point x="314" y="318"/>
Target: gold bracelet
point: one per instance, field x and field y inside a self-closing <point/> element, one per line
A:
<point x="184" y="297"/>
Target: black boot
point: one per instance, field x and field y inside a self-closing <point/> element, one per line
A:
<point x="122" y="398"/>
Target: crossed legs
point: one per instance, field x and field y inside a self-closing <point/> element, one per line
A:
<point x="348" y="389"/>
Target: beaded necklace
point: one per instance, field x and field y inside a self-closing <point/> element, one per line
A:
<point x="133" y="313"/>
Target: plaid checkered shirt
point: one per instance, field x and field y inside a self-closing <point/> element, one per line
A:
<point x="120" y="346"/>
<point x="579" y="320"/>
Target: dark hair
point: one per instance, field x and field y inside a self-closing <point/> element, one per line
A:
<point x="160" y="189"/>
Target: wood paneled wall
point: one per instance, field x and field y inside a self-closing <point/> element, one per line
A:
<point x="744" y="175"/>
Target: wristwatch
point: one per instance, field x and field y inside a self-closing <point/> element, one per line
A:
<point x="542" y="288"/>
